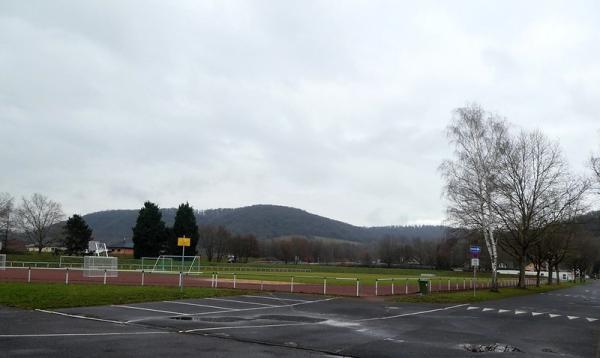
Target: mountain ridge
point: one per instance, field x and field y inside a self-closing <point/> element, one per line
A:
<point x="265" y="221"/>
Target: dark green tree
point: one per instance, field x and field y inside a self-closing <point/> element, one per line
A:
<point x="185" y="225"/>
<point x="77" y="235"/>
<point x="149" y="234"/>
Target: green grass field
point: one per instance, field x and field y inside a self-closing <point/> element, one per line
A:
<point x="31" y="296"/>
<point x="303" y="273"/>
<point x="481" y="295"/>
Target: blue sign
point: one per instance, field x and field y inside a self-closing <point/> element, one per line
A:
<point x="475" y="249"/>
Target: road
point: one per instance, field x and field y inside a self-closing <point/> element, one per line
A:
<point x="563" y="323"/>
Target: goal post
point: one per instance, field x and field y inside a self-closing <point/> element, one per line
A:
<point x="71" y="261"/>
<point x="171" y="263"/>
<point x="98" y="266"/>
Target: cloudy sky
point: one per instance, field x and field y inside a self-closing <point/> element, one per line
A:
<point x="335" y="107"/>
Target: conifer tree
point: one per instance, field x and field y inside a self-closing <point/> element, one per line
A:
<point x="149" y="235"/>
<point x="185" y="225"/>
<point x="77" y="235"/>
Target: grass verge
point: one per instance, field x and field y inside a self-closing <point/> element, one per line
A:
<point x="481" y="295"/>
<point x="31" y="296"/>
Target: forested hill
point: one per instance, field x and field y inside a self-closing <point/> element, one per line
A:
<point x="264" y="221"/>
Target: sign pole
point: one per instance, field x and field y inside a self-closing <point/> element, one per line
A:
<point x="474" y="279"/>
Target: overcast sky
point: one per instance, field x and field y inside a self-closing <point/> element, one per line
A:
<point x="335" y="107"/>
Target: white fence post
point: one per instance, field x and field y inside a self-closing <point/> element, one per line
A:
<point x="324" y="285"/>
<point x="292" y="284"/>
<point x="406" y="287"/>
<point x="29" y="275"/>
<point x="67" y="277"/>
<point x="105" y="276"/>
<point x="234" y="280"/>
<point x="376" y="286"/>
<point x="142" y="277"/>
<point x="357" y="287"/>
<point x="392" y="287"/>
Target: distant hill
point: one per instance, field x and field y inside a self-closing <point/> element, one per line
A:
<point x="264" y="221"/>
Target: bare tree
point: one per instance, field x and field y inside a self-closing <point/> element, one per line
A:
<point x="480" y="140"/>
<point x="537" y="193"/>
<point x="36" y="216"/>
<point x="207" y="240"/>
<point x="6" y="209"/>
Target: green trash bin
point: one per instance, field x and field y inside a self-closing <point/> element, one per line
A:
<point x="423" y="286"/>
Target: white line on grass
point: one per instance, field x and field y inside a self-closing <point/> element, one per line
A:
<point x="80" y="317"/>
<point x="79" y="334"/>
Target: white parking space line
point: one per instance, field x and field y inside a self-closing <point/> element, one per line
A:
<point x="42" y="335"/>
<point x="148" y="309"/>
<point x="410" y="314"/>
<point x="197" y="305"/>
<point x="245" y="327"/>
<point x="79" y="316"/>
<point x="237" y="301"/>
<point x="241" y="309"/>
<point x="277" y="298"/>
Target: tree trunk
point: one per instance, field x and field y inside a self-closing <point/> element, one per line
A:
<point x="557" y="274"/>
<point x="537" y="276"/>
<point x="550" y="272"/>
<point x="522" y="271"/>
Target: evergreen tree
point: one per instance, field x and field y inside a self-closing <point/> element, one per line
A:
<point x="77" y="234"/>
<point x="149" y="235"/>
<point x="185" y="225"/>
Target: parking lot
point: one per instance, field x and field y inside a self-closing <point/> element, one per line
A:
<point x="563" y="323"/>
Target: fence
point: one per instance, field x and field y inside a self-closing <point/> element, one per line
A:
<point x="344" y="286"/>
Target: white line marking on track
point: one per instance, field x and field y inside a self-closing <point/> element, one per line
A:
<point x="80" y="317"/>
<point x="79" y="334"/>
<point x="517" y="312"/>
<point x="472" y="308"/>
<point x="488" y="309"/>
<point x="553" y="315"/>
<point x="591" y="319"/>
<point x="148" y="309"/>
<point x="410" y="314"/>
<point x="197" y="305"/>
<point x="237" y="301"/>
<point x="276" y="298"/>
<point x="572" y="317"/>
<point x="536" y="313"/>
<point x="502" y="311"/>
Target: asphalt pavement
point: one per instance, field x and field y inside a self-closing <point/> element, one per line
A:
<point x="563" y="323"/>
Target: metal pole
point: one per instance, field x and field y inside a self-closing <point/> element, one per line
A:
<point x="474" y="280"/>
<point x="406" y="287"/>
<point x="449" y="285"/>
<point x="105" y="276"/>
<point x="234" y="279"/>
<point x="292" y="284"/>
<point x="392" y="287"/>
<point x="142" y="277"/>
<point x="67" y="277"/>
<point x="29" y="275"/>
<point x="216" y="280"/>
<point x="180" y="279"/>
<point x="376" y="286"/>
<point x="357" y="286"/>
<point x="182" y="256"/>
<point x="324" y="285"/>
